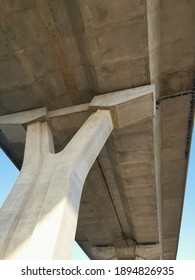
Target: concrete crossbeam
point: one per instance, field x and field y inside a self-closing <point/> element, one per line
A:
<point x="24" y="117"/>
<point x="133" y="252"/>
<point x="128" y="106"/>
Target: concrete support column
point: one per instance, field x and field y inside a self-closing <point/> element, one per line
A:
<point x="39" y="218"/>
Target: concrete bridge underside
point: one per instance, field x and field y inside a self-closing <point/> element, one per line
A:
<point x="62" y="55"/>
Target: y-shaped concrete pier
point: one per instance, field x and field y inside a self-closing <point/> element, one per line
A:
<point x="39" y="218"/>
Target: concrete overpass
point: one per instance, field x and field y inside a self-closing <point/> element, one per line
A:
<point x="134" y="61"/>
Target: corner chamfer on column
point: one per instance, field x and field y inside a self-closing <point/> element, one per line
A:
<point x="48" y="191"/>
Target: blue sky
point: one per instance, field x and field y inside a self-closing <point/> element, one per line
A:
<point x="186" y="249"/>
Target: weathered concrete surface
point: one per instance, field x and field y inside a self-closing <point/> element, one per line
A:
<point x="58" y="53"/>
<point x="134" y="252"/>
